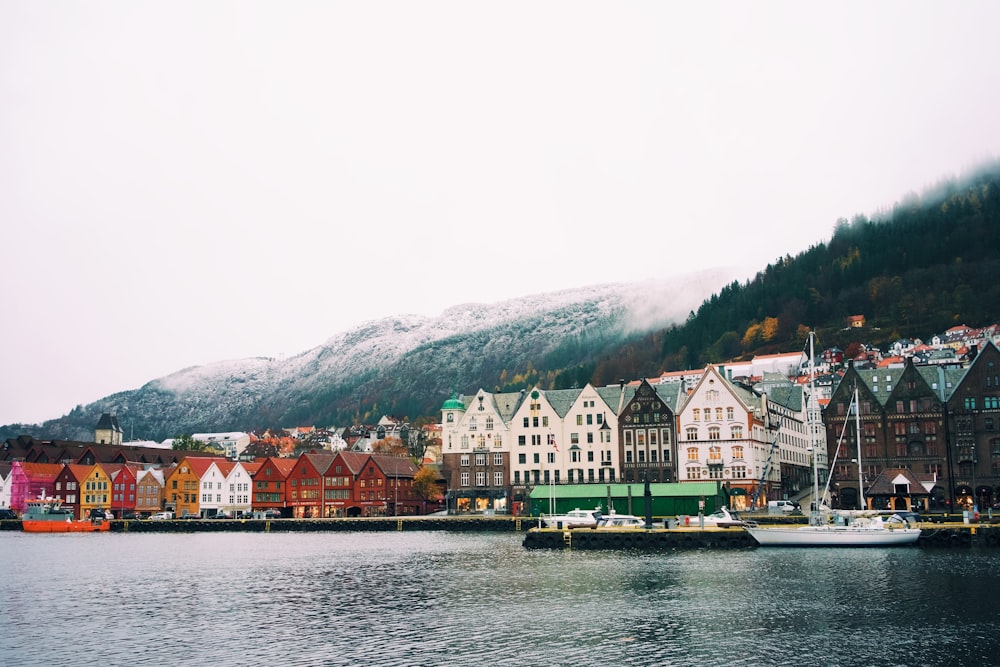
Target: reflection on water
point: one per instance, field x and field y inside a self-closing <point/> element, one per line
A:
<point x="481" y="599"/>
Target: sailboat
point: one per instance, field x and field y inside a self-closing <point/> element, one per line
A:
<point x="828" y="528"/>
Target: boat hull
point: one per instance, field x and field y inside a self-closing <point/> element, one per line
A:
<point x="833" y="536"/>
<point x="43" y="526"/>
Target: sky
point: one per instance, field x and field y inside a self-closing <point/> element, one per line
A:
<point x="185" y="182"/>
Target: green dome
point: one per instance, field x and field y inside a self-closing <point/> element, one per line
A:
<point x="453" y="403"/>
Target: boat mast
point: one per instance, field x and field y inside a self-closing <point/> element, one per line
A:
<point x="811" y="419"/>
<point x="857" y="436"/>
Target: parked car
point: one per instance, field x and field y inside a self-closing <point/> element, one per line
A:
<point x="272" y="514"/>
<point x="162" y="516"/>
<point x="6" y="513"/>
<point x="777" y="506"/>
<point x="220" y="515"/>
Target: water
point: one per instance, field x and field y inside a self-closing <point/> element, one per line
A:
<point x="436" y="598"/>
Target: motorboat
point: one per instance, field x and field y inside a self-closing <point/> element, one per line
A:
<point x="47" y="515"/>
<point x="576" y="518"/>
<point x="620" y="521"/>
<point x="722" y="518"/>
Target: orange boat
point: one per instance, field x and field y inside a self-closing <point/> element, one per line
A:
<point x="47" y="515"/>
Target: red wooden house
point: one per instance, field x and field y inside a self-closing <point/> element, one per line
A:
<point x="69" y="481"/>
<point x="123" y="491"/>
<point x="341" y="479"/>
<point x="397" y="473"/>
<point x="306" y="485"/>
<point x="270" y="485"/>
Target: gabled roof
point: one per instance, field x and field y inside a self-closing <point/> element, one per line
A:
<point x="394" y="466"/>
<point x="321" y="462"/>
<point x="355" y="461"/>
<point x="889" y="478"/>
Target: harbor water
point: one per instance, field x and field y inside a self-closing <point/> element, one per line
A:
<point x="442" y="598"/>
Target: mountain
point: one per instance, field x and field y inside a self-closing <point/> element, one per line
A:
<point x="404" y="365"/>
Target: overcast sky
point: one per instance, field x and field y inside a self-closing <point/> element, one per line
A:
<point x="189" y="182"/>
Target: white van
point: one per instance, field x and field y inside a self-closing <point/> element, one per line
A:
<point x="779" y="506"/>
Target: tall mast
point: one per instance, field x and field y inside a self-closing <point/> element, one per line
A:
<point x="857" y="436"/>
<point x="811" y="419"/>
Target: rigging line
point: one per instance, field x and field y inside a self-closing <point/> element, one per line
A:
<point x="840" y="440"/>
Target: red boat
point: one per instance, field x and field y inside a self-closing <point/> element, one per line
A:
<point x="47" y="515"/>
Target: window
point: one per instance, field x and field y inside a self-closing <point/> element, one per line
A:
<point x="713" y="433"/>
<point x="729" y="414"/>
<point x="736" y="432"/>
<point x="521" y="440"/>
<point x="498" y="478"/>
<point x="489" y="423"/>
<point x="692" y="433"/>
<point x="696" y="414"/>
<point x="738" y="452"/>
<point x="480" y="479"/>
<point x="480" y="459"/>
<point x="718" y="414"/>
<point x="498" y="458"/>
<point x="522" y="459"/>
<point x="463" y="461"/>
<point x="545" y="420"/>
<point x="692" y="453"/>
<point x="574" y="438"/>
<point x="715" y="454"/>
<point x="464" y="479"/>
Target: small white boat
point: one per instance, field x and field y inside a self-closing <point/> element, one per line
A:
<point x="573" y="519"/>
<point x="722" y="518"/>
<point x="620" y="521"/>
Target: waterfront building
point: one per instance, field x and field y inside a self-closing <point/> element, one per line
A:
<point x="476" y="444"/>
<point x="270" y="484"/>
<point x="123" y="488"/>
<point x="754" y="443"/>
<point x="393" y="476"/>
<point x="646" y="436"/>
<point x="306" y="483"/>
<point x="32" y="480"/>
<point x="5" y="470"/>
<point x="95" y="491"/>
<point x="69" y="485"/>
<point x="212" y="497"/>
<point x="150" y="484"/>
<point x="973" y="428"/>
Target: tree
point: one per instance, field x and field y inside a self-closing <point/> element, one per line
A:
<point x="425" y="484"/>
<point x="186" y="443"/>
<point x="391" y="446"/>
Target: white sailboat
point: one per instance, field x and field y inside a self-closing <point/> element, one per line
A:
<point x="852" y="528"/>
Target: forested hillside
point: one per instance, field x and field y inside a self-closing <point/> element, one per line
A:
<point x="928" y="264"/>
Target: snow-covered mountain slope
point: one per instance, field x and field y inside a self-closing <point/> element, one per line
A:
<point x="405" y="365"/>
